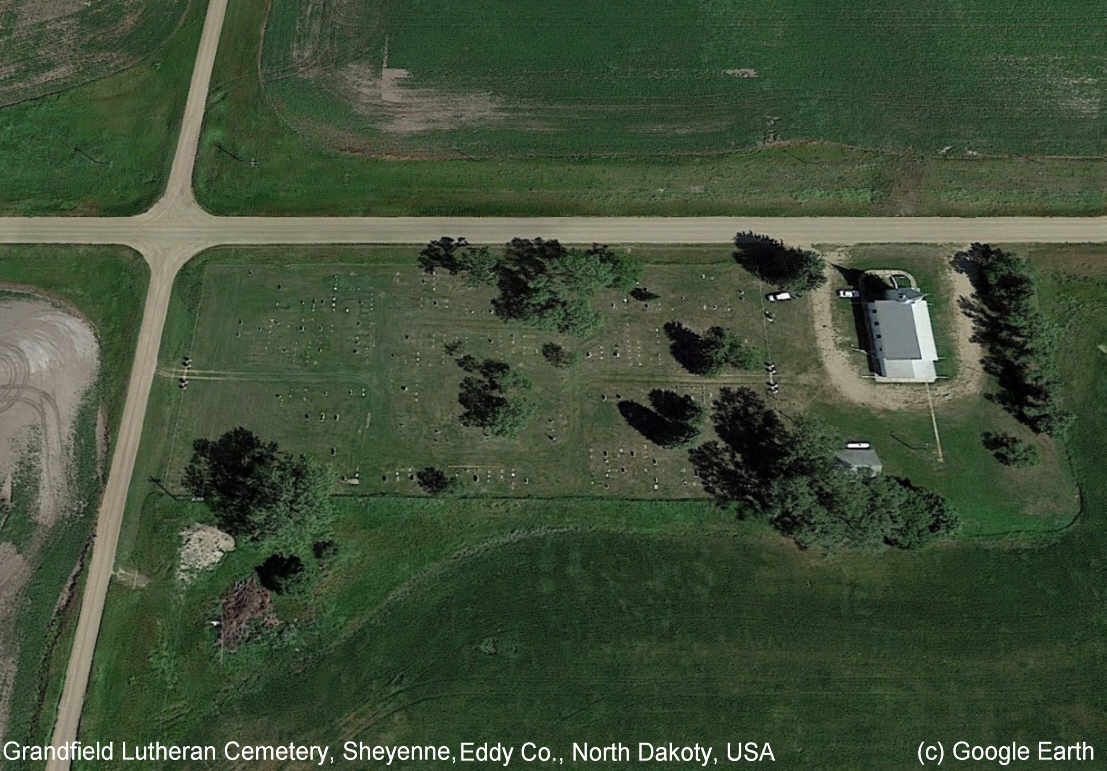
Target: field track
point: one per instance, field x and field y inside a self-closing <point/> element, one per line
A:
<point x="176" y="229"/>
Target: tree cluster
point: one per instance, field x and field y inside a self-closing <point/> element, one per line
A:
<point x="786" y="473"/>
<point x="435" y="481"/>
<point x="671" y="420"/>
<point x="493" y="397"/>
<point x="262" y="494"/>
<point x="558" y="355"/>
<point x="1010" y="450"/>
<point x="787" y="267"/>
<point x="540" y="282"/>
<point x="1016" y="337"/>
<point x="708" y="353"/>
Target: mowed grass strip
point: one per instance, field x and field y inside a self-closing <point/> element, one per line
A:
<point x="340" y="352"/>
<point x="623" y="108"/>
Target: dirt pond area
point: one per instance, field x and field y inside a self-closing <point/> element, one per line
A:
<point x="49" y="359"/>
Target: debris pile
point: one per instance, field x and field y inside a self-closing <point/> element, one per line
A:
<point x="243" y="604"/>
<point x="202" y="547"/>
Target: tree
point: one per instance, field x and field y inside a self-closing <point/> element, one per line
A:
<point x="785" y="473"/>
<point x="456" y="255"/>
<point x="264" y="495"/>
<point x="641" y="294"/>
<point x="707" y="354"/>
<point x="1016" y="337"/>
<point x="301" y="513"/>
<point x="435" y="481"/>
<point x="540" y="282"/>
<point x="495" y="401"/>
<point x="1010" y="450"/>
<point x="231" y="474"/>
<point x="558" y="356"/>
<point x="787" y="267"/>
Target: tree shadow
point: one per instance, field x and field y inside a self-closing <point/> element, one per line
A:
<point x="871" y="287"/>
<point x="279" y="572"/>
<point x="687" y="347"/>
<point x="672" y="424"/>
<point x="850" y="276"/>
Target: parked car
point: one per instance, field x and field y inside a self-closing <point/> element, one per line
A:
<point x="775" y="297"/>
<point x="849" y="294"/>
<point x="858" y="445"/>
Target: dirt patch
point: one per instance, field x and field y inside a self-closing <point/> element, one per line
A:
<point x="399" y="106"/>
<point x="970" y="374"/>
<point x="202" y="548"/>
<point x="48" y="360"/>
<point x="841" y="366"/>
<point x="132" y="578"/>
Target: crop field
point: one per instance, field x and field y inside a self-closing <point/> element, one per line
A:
<point x="341" y="353"/>
<point x="498" y="106"/>
<point x="53" y="45"/>
<point x="91" y="95"/>
<point x="633" y="619"/>
<point x="489" y="78"/>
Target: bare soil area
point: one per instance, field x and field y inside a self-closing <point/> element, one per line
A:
<point x="405" y="108"/>
<point x="48" y="360"/>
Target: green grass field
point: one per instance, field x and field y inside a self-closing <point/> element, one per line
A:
<point x="340" y="352"/>
<point x="495" y="107"/>
<point x="561" y="620"/>
<point x="100" y="141"/>
<point x="107" y="285"/>
<point x="905" y="438"/>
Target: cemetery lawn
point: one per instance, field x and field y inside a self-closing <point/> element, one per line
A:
<point x="339" y="352"/>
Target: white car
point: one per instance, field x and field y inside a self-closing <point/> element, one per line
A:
<point x="858" y="445"/>
<point x="849" y="294"/>
<point x="775" y="297"/>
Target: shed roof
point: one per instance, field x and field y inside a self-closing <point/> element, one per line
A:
<point x="860" y="458"/>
